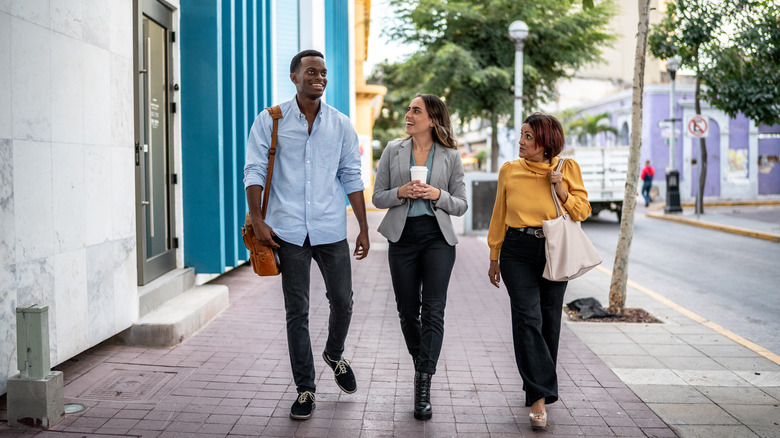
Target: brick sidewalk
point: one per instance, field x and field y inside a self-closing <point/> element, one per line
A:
<point x="233" y="377"/>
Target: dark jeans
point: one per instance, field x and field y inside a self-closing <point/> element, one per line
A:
<point x="646" y="186"/>
<point x="420" y="266"/>
<point x="536" y="314"/>
<point x="334" y="263"/>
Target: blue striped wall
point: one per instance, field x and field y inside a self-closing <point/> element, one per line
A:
<point x="225" y="56"/>
<point x="227" y="78"/>
<point x="337" y="53"/>
<point x="287" y="46"/>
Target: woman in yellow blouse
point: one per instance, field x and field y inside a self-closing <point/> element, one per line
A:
<point x="523" y="201"/>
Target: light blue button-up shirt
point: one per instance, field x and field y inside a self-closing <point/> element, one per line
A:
<point x="312" y="173"/>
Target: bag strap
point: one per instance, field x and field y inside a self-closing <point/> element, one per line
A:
<point x="558" y="208"/>
<point x="276" y="114"/>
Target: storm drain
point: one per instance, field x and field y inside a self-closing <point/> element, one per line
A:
<point x="129" y="385"/>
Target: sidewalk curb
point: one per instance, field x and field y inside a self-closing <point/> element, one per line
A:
<point x="729" y="229"/>
<point x="752" y="346"/>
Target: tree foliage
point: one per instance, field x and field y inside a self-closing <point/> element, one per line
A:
<point x="389" y="124"/>
<point x="734" y="48"/>
<point x="466" y="56"/>
<point x="587" y="127"/>
<point x="744" y="75"/>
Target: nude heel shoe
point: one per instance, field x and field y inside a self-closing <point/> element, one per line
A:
<point x="538" y="420"/>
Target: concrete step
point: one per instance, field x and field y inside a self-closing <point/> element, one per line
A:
<point x="164" y="288"/>
<point x="178" y="318"/>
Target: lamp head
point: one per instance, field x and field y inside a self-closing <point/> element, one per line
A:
<point x="518" y="32"/>
<point x="673" y="64"/>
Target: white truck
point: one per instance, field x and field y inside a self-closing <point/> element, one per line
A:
<point x="604" y="171"/>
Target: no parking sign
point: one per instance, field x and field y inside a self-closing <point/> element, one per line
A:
<point x="697" y="127"/>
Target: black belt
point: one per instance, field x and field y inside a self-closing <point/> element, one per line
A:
<point x="537" y="232"/>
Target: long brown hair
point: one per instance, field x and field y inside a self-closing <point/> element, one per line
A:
<point x="440" y="115"/>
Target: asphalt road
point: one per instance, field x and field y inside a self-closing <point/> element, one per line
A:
<point x="732" y="280"/>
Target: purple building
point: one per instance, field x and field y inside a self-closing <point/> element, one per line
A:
<point x="742" y="158"/>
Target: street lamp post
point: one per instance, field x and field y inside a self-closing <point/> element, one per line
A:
<point x="518" y="32"/>
<point x="672" y="175"/>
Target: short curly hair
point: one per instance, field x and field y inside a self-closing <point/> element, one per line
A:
<point x="296" y="61"/>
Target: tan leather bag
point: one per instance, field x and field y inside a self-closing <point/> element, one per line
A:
<point x="264" y="259"/>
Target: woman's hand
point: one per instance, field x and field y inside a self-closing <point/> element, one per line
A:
<point x="425" y="191"/>
<point x="556" y="179"/>
<point x="408" y="190"/>
<point x="494" y="272"/>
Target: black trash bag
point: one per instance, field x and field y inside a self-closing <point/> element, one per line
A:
<point x="590" y="308"/>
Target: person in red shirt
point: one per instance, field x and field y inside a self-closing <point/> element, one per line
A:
<point x="647" y="177"/>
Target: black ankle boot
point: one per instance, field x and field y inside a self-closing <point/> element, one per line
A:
<point x="422" y="396"/>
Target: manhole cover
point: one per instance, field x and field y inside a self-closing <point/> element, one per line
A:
<point x="129" y="385"/>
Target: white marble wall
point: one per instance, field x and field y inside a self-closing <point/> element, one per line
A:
<point x="67" y="178"/>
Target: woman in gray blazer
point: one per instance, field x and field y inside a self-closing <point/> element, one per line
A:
<point x="418" y="227"/>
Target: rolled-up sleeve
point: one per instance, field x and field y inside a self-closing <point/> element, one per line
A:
<point x="258" y="146"/>
<point x="576" y="204"/>
<point x="350" y="163"/>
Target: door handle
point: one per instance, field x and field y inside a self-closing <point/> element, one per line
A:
<point x="149" y="136"/>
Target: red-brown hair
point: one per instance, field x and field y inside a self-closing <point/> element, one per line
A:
<point x="548" y="133"/>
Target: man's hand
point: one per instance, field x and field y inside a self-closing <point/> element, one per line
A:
<point x="359" y="208"/>
<point x="263" y="232"/>
<point x="361" y="245"/>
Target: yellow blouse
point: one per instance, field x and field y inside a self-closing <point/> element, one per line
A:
<point x="523" y="198"/>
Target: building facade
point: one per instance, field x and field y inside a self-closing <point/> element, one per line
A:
<point x="742" y="158"/>
<point x="122" y="138"/>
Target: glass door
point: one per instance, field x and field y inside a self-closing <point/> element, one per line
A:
<point x="153" y="158"/>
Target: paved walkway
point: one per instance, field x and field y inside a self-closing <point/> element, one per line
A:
<point x="685" y="377"/>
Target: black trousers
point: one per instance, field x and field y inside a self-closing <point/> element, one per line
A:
<point x="335" y="266"/>
<point x="536" y="314"/>
<point x="420" y="266"/>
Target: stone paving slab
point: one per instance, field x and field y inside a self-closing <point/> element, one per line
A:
<point x="236" y="378"/>
<point x="697" y="380"/>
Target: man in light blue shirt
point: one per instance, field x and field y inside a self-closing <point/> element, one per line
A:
<point x="317" y="163"/>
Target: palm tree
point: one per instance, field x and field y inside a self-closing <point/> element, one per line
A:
<point x="587" y="127"/>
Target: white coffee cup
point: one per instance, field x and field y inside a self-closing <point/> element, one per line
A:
<point x="419" y="173"/>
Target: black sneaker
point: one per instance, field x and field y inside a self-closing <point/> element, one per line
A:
<point x="345" y="378"/>
<point x="301" y="409"/>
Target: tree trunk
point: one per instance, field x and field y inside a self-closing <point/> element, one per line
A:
<point x="494" y="149"/>
<point x="617" y="288"/>
<point x="702" y="146"/>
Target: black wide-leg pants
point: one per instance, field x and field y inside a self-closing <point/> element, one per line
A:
<point x="537" y="304"/>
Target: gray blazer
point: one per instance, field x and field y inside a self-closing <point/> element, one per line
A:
<point x="446" y="175"/>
